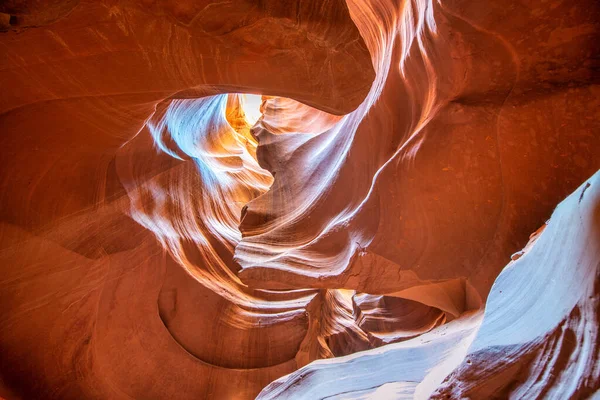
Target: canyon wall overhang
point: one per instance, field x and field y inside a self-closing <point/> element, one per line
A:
<point x="156" y="242"/>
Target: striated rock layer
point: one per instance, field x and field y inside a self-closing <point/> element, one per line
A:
<point x="537" y="338"/>
<point x="112" y="153"/>
<point x="299" y="199"/>
<point x="463" y="146"/>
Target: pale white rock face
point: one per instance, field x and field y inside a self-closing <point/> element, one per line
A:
<point x="207" y="199"/>
<point x="537" y="338"/>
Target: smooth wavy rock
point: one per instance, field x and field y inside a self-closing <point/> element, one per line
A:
<point x="470" y="135"/>
<point x="538" y="336"/>
<point x="391" y="319"/>
<point x="78" y="89"/>
<point x="125" y="167"/>
<point x="203" y="199"/>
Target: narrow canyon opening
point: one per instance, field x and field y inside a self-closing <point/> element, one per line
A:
<point x="405" y="207"/>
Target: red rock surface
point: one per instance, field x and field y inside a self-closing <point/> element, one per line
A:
<point x="157" y="241"/>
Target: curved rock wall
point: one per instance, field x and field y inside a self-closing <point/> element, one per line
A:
<point x="157" y="241"/>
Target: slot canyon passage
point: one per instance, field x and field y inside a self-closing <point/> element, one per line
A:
<point x="303" y="199"/>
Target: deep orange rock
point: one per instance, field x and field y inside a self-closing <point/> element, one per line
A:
<point x="157" y="240"/>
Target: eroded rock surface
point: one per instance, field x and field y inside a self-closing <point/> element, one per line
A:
<point x="537" y="338"/>
<point x="158" y="241"/>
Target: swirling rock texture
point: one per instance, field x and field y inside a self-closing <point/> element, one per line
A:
<point x="299" y="199"/>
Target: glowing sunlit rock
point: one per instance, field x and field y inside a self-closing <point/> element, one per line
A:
<point x="538" y="338"/>
<point x="298" y="199"/>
